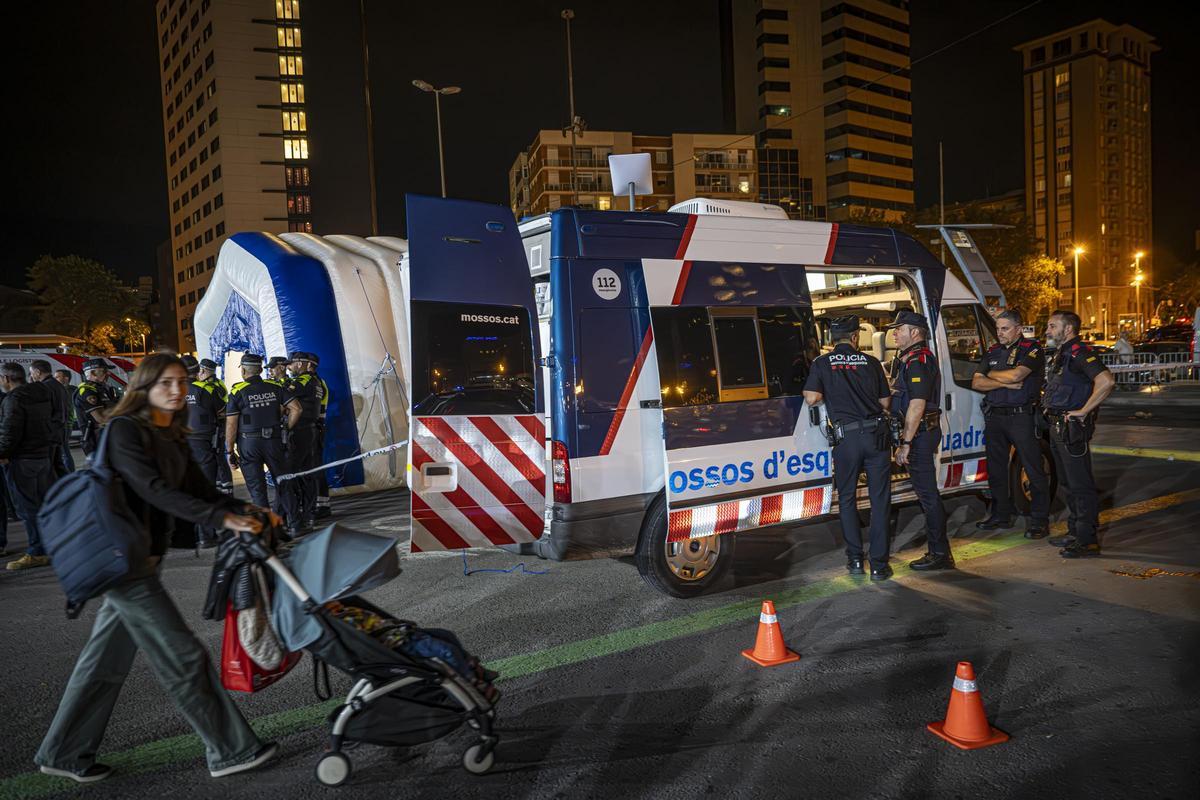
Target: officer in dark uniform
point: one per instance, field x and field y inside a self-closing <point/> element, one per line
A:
<point x="302" y="440"/>
<point x="208" y="375"/>
<point x="277" y="369"/>
<point x="323" y="509"/>
<point x="1078" y="383"/>
<point x="92" y="399"/>
<point x="1012" y="378"/>
<point x="206" y="415"/>
<point x="916" y="398"/>
<point x="856" y="396"/>
<point x="258" y="413"/>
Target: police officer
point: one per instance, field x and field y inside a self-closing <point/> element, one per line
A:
<point x="302" y="440"/>
<point x="206" y="415"/>
<point x="323" y="509"/>
<point x="277" y="369"/>
<point x="916" y="396"/>
<point x="208" y="375"/>
<point x="1078" y="383"/>
<point x="257" y="414"/>
<point x="856" y="395"/>
<point x="93" y="398"/>
<point x="1012" y="378"/>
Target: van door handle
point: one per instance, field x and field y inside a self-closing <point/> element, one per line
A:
<point x="949" y="401"/>
<point x="651" y="404"/>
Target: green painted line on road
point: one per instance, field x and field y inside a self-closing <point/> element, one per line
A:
<point x="1147" y="452"/>
<point x="176" y="749"/>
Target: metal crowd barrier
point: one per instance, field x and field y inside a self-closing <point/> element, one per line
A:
<point x="1138" y="370"/>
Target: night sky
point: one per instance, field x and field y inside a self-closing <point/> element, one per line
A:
<point x="86" y="166"/>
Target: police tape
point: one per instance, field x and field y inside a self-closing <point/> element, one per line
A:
<point x="1153" y="367"/>
<point x="378" y="451"/>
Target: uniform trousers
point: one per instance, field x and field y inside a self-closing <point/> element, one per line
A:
<point x="857" y="452"/>
<point x="255" y="453"/>
<point x="1083" y="501"/>
<point x="302" y="442"/>
<point x="1003" y="431"/>
<point x="922" y="470"/>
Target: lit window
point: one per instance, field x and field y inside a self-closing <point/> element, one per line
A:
<point x="744" y="185"/>
<point x="604" y="203"/>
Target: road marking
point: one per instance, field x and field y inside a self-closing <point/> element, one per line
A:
<point x="1147" y="452"/>
<point x="176" y="749"/>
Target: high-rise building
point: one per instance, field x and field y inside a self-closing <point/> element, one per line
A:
<point x="684" y="165"/>
<point x="829" y="81"/>
<point x="235" y="125"/>
<point x="1087" y="164"/>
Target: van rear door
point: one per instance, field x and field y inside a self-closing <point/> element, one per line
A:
<point x="969" y="334"/>
<point x="477" y="458"/>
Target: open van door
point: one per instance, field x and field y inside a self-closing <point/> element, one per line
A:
<point x="477" y="463"/>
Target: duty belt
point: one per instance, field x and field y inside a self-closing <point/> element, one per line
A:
<point x="262" y="433"/>
<point x="859" y="425"/>
<point x="1010" y="411"/>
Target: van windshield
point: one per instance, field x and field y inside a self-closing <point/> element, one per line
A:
<point x="471" y="359"/>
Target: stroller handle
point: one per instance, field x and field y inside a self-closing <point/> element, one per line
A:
<point x="261" y="552"/>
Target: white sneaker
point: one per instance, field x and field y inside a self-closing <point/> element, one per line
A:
<point x="96" y="772"/>
<point x="264" y="754"/>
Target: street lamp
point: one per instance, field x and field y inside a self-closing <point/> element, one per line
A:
<point x="437" y="104"/>
<point x="1078" y="253"/>
<point x="1137" y="303"/>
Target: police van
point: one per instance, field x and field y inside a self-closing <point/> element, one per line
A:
<point x="600" y="383"/>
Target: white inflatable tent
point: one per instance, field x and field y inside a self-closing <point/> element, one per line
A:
<point x="341" y="297"/>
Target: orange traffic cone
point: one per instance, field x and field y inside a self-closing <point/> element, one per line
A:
<point x="966" y="725"/>
<point x="769" y="649"/>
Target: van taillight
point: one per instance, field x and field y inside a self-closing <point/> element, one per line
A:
<point x="560" y="467"/>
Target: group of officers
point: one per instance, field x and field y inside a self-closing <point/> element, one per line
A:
<point x="273" y="422"/>
<point x="872" y="421"/>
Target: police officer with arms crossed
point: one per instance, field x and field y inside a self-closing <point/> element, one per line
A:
<point x="1012" y="380"/>
<point x="323" y="509"/>
<point x="92" y="399"/>
<point x="1077" y="385"/>
<point x="256" y="416"/>
<point x="916" y="395"/>
<point x="856" y="395"/>
<point x="206" y="415"/>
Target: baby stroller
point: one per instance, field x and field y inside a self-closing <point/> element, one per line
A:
<point x="399" y="698"/>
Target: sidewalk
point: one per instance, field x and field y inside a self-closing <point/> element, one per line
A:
<point x="1180" y="393"/>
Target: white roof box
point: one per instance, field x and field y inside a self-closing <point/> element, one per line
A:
<point x="728" y="208"/>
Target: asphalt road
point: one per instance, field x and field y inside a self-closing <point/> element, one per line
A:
<point x="611" y="690"/>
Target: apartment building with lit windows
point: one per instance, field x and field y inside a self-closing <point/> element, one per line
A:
<point x="1087" y="162"/>
<point x="684" y="165"/>
<point x="236" y="132"/>
<point x="829" y="81"/>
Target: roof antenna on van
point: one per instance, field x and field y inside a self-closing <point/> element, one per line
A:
<point x="632" y="170"/>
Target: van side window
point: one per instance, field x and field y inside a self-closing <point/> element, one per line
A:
<point x="471" y="359"/>
<point x="969" y="337"/>
<point x="687" y="367"/>
<point x="789" y="343"/>
<point x="740" y="374"/>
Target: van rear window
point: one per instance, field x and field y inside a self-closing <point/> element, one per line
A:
<point x="471" y="359"/>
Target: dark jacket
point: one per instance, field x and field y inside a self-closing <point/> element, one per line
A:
<point x="60" y="405"/>
<point x="25" y="422"/>
<point x="162" y="481"/>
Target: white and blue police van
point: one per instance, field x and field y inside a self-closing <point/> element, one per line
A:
<point x="602" y="383"/>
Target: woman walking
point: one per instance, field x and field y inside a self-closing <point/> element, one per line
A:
<point x="147" y="448"/>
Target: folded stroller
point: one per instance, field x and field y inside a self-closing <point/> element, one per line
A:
<point x="403" y="693"/>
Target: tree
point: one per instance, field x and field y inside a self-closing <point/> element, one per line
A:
<point x="1031" y="286"/>
<point x="82" y="298"/>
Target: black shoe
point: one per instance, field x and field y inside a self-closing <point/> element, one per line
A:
<point x="993" y="524"/>
<point x="1077" y="550"/>
<point x="932" y="561"/>
<point x="881" y="573"/>
<point x="1061" y="541"/>
<point x="96" y="772"/>
<point x="1036" y="532"/>
<point x="854" y="565"/>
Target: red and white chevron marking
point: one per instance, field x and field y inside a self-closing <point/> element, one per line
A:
<point x="501" y="494"/>
<point x="964" y="473"/>
<point x="753" y="512"/>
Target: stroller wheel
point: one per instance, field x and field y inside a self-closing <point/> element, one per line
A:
<point x="333" y="769"/>
<point x="478" y="759"/>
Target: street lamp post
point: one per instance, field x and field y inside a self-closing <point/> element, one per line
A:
<point x="1137" y="276"/>
<point x="1078" y="253"/>
<point x="437" y="105"/>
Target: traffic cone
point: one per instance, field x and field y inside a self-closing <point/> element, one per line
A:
<point x="966" y="726"/>
<point x="769" y="649"/>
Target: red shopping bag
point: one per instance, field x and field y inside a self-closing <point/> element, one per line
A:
<point x="239" y="672"/>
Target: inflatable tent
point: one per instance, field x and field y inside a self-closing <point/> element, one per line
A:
<point x="341" y="297"/>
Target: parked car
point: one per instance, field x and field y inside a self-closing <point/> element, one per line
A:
<point x="1169" y="333"/>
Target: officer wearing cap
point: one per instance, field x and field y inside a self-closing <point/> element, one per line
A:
<point x="323" y="509"/>
<point x="92" y="399"/>
<point x="1078" y="383"/>
<point x="206" y="414"/>
<point x="916" y="397"/>
<point x="208" y="375"/>
<point x="302" y="440"/>
<point x="257" y="415"/>
<point x="277" y="369"/>
<point x="855" y="392"/>
<point x="1012" y="380"/>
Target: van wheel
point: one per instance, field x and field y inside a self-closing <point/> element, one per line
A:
<point x="1022" y="499"/>
<point x="680" y="569"/>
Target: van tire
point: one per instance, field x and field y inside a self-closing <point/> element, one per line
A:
<point x="1016" y="478"/>
<point x="653" y="564"/>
